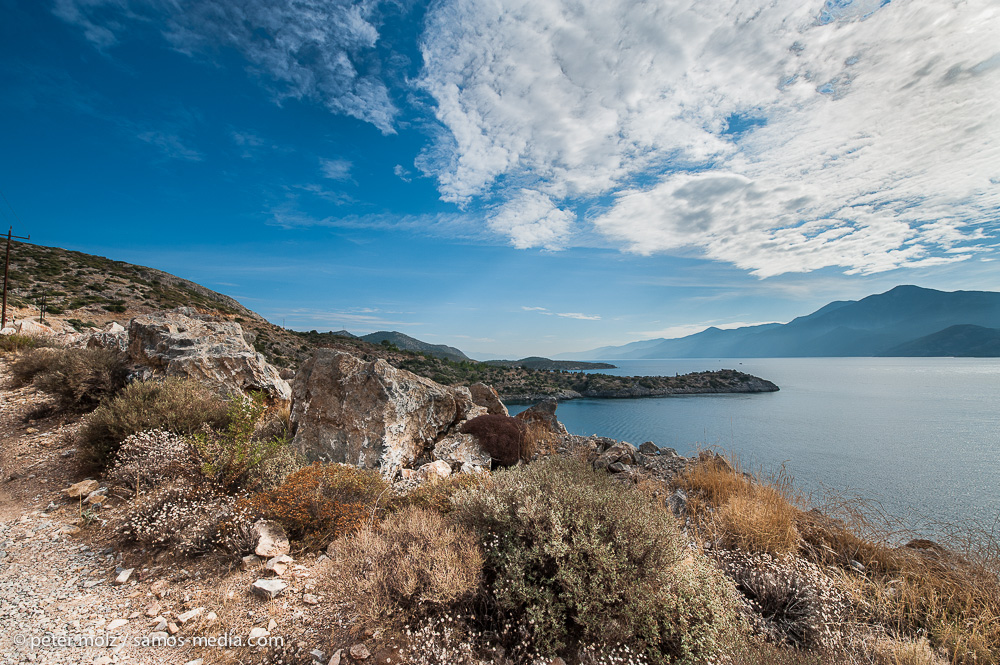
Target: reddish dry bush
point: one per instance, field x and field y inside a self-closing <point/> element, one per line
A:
<point x="501" y="436"/>
<point x="322" y="502"/>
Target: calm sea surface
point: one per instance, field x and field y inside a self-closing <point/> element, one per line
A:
<point x="920" y="436"/>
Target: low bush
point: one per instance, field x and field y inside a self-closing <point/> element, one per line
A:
<point x="17" y="342"/>
<point x="571" y="557"/>
<point x="322" y="502"/>
<point x="246" y="454"/>
<point x="182" y="406"/>
<point x="79" y="379"/>
<point x="794" y="601"/>
<point x="501" y="436"/>
<point x="150" y="459"/>
<point x="438" y="495"/>
<point x="414" y="564"/>
<point x="187" y="516"/>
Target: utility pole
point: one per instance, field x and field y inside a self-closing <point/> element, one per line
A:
<point x="6" y="268"/>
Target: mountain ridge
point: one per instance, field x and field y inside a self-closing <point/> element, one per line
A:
<point x="868" y="327"/>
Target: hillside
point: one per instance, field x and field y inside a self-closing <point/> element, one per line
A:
<point x="85" y="290"/>
<point x="407" y="343"/>
<point x="536" y="362"/>
<point x="958" y="341"/>
<point x="872" y="326"/>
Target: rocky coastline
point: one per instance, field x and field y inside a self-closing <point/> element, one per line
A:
<point x="696" y="383"/>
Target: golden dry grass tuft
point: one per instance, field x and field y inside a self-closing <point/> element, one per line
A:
<point x="413" y="564"/>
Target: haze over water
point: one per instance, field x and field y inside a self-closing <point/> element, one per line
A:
<point x="919" y="435"/>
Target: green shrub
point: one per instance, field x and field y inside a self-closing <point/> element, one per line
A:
<point x="16" y="343"/>
<point x="79" y="379"/>
<point x="501" y="436"/>
<point x="322" y="502"/>
<point x="414" y="564"/>
<point x="573" y="559"/>
<point x="182" y="406"/>
<point x="246" y="454"/>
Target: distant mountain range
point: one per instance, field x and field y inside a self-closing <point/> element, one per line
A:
<point x="905" y="321"/>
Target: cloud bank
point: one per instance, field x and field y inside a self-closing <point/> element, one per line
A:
<point x="777" y="136"/>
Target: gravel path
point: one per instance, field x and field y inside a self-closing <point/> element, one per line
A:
<point x="59" y="602"/>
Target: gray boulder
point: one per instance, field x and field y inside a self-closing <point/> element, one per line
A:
<point x="544" y="414"/>
<point x="213" y="352"/>
<point x="617" y="458"/>
<point x="370" y="414"/>
<point x="486" y="396"/>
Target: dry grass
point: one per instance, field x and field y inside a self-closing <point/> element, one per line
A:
<point x="437" y="494"/>
<point x="412" y="565"/>
<point x="740" y="511"/>
<point x="950" y="595"/>
<point x="759" y="519"/>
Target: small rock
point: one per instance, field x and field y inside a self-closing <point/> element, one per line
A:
<point x="117" y="623"/>
<point x="649" y="448"/>
<point x="249" y="561"/>
<point x="31" y="430"/>
<point x="158" y="636"/>
<point x="310" y="599"/>
<point x="190" y="614"/>
<point x="269" y="588"/>
<point x="271" y="539"/>
<point x="279" y="564"/>
<point x="335" y="658"/>
<point x="161" y="625"/>
<point x="360" y="652"/>
<point x="858" y="566"/>
<point x="123" y="576"/>
<point x="677" y="503"/>
<point x="256" y="633"/>
<point x="271" y="625"/>
<point x="159" y="588"/>
<point x="173" y="628"/>
<point x="211" y="617"/>
<point x="434" y="471"/>
<point x="68" y="453"/>
<point x="153" y="609"/>
<point x="317" y="654"/>
<point x="196" y="661"/>
<point x="102" y="660"/>
<point x="82" y="488"/>
<point x="70" y="530"/>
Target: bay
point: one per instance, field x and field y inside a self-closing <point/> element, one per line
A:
<point x="919" y="437"/>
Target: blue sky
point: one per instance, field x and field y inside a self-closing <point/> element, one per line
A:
<point x="512" y="177"/>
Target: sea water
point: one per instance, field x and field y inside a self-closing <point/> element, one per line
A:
<point x="919" y="437"/>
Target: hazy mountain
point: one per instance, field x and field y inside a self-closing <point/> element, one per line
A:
<point x="959" y="341"/>
<point x="871" y="326"/>
<point x="407" y="343"/>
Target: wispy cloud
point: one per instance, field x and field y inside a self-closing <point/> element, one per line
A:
<point x="565" y="315"/>
<point x="170" y="144"/>
<point x="776" y="136"/>
<point x="323" y="50"/>
<point x="335" y="169"/>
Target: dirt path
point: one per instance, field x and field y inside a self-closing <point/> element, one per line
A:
<point x="58" y="599"/>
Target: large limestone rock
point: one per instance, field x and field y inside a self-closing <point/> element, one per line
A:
<point x="543" y="414"/>
<point x="369" y="413"/>
<point x="486" y="396"/>
<point x="214" y="352"/>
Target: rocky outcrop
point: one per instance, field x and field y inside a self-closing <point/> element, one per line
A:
<point x="544" y="414"/>
<point x="214" y="352"/>
<point x="487" y="397"/>
<point x="370" y="414"/>
<point x="462" y="452"/>
<point x="113" y="337"/>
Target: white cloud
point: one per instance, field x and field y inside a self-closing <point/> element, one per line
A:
<point x="578" y="315"/>
<point x="402" y="173"/>
<point x="864" y="136"/>
<point x="335" y="169"/>
<point x="302" y="49"/>
<point x="530" y="219"/>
